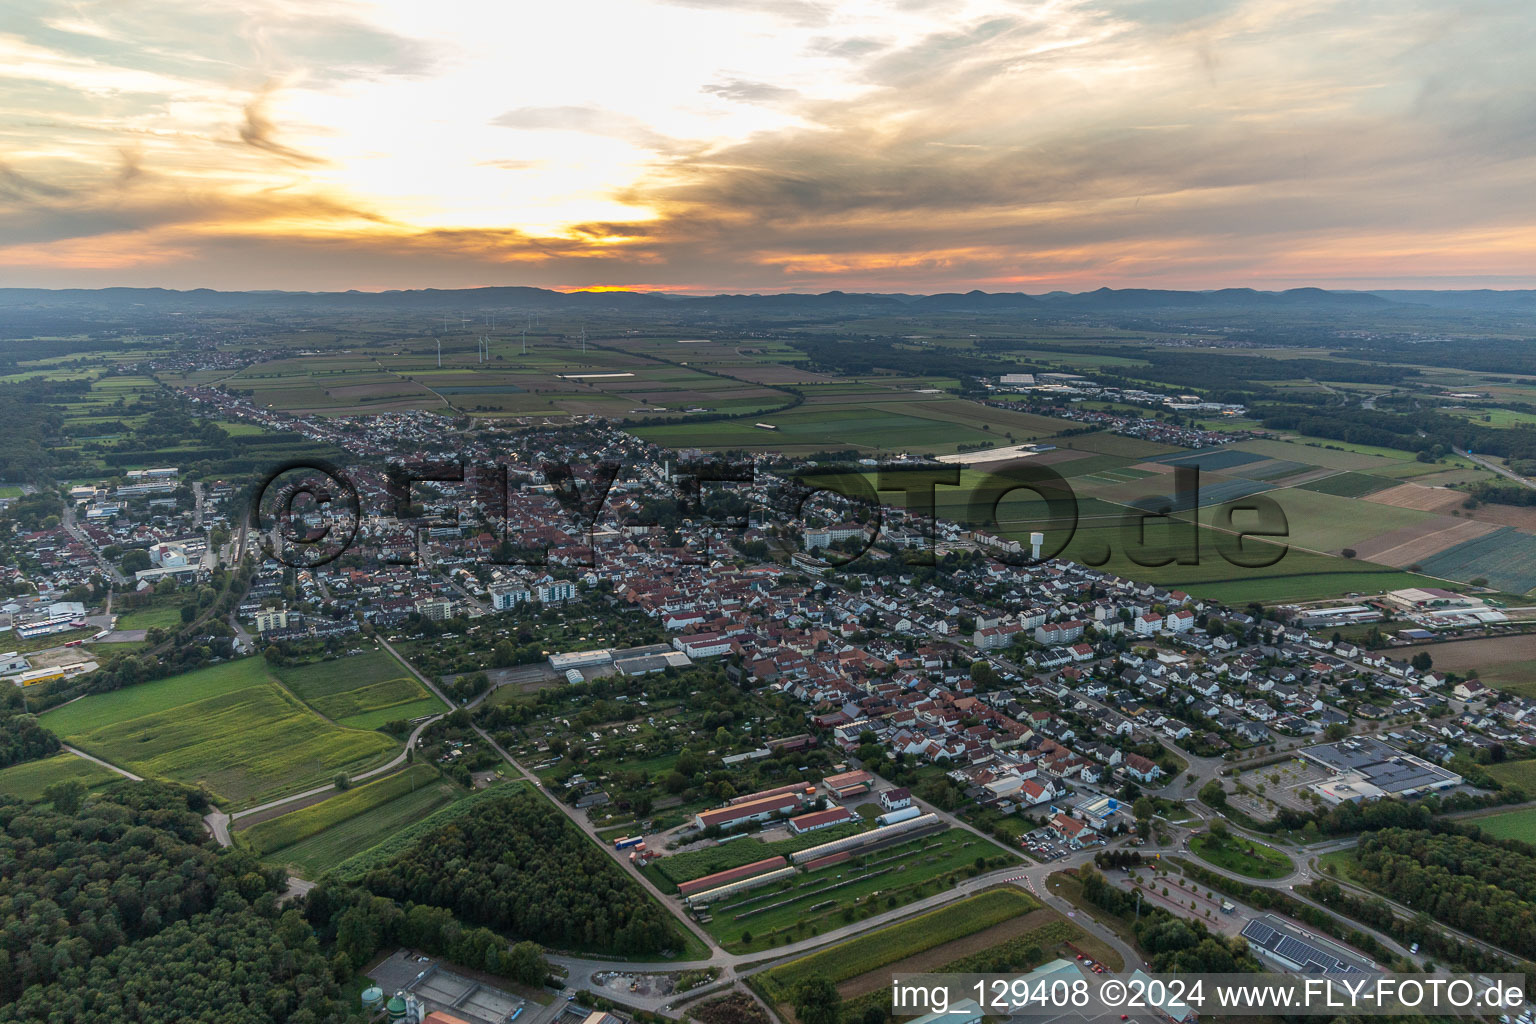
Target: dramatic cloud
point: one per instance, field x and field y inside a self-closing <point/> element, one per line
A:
<point x="710" y="144"/>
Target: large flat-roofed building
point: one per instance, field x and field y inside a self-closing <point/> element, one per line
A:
<point x="638" y="661"/>
<point x="1420" y="598"/>
<point x="581" y="659"/>
<point x="1338" y="615"/>
<point x="1368" y="769"/>
<point x="1301" y="951"/>
<point x="826" y="536"/>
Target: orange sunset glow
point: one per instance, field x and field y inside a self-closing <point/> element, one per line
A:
<point x="720" y="145"/>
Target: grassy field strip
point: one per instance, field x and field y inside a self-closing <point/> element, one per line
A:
<point x="28" y="780"/>
<point x="1242" y="856"/>
<point x="357" y="865"/>
<point x="285" y="830"/>
<point x="877" y="949"/>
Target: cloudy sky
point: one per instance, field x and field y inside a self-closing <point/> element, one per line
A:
<point x="768" y="145"/>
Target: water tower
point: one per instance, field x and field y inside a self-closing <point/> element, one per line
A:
<point x="1035" y="542"/>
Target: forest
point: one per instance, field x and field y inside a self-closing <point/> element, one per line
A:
<point x="516" y="865"/>
<point x="1487" y="889"/>
<point x="21" y="737"/>
<point x="122" y="911"/>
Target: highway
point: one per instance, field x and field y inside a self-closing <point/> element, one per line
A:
<point x="1496" y="468"/>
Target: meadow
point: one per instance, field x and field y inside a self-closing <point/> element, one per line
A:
<point x="1242" y="855"/>
<point x="27" y="780"/>
<point x="1521" y="774"/>
<point x="1519" y="825"/>
<point x="231" y="728"/>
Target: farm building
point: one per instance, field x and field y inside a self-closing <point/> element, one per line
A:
<point x="708" y="896"/>
<point x="735" y="815"/>
<point x="730" y="875"/>
<point x="849" y="784"/>
<point x="877" y="835"/>
<point x="820" y="819"/>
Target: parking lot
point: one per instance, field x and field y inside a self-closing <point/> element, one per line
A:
<point x="1282" y="783"/>
<point x="1043" y="845"/>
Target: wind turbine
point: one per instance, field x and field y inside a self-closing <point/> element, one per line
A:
<point x="439" y="353"/>
<point x="583" y="339"/>
<point x="525" y="341"/>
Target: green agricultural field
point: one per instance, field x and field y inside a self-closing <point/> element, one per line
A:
<point x="28" y="780"/>
<point x="1327" y="522"/>
<point x="1347" y="484"/>
<point x="1242" y="855"/>
<point x="362" y="690"/>
<point x="691" y="864"/>
<point x="888" y="945"/>
<point x="1100" y="539"/>
<point x="1519" y="825"/>
<point x="1506" y="558"/>
<point x="231" y="728"/>
<point x="819" y="901"/>
<point x="1515" y="773"/>
<point x="869" y="418"/>
<point x="317" y="838"/>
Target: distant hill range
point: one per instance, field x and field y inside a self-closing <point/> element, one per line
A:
<point x="1104" y="300"/>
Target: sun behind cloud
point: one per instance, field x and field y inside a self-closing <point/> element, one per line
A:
<point x="721" y="145"/>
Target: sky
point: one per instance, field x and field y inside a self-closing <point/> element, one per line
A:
<point x="768" y="145"/>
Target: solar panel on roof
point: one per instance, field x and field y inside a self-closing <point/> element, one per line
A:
<point x="1295" y="949"/>
<point x="1259" y="932"/>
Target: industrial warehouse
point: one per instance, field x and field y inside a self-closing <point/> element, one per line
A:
<point x="1367" y="769"/>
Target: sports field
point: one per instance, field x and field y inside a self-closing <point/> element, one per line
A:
<point x="231" y="728"/>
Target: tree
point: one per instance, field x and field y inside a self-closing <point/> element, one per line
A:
<point x="817" y="1002"/>
<point x="66" y="796"/>
<point x="1422" y="662"/>
<point x="983" y="675"/>
<point x="342" y="781"/>
<point x="526" y="963"/>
